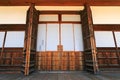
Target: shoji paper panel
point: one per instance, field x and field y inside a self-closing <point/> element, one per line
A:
<point x="67" y="37"/>
<point x="41" y="37"/>
<point x="46" y="17"/>
<point x="104" y="39"/>
<point x="1" y="38"/>
<point x="15" y="39"/>
<point x="52" y="37"/>
<point x="78" y="37"/>
<point x="70" y="17"/>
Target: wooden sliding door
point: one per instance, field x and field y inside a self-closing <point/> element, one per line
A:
<point x="59" y="47"/>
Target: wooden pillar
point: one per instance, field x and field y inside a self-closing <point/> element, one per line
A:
<point x="91" y="64"/>
<point x="30" y="40"/>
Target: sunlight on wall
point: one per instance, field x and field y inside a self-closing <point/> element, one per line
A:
<point x="106" y="15"/>
<point x="13" y="15"/>
<point x="101" y="14"/>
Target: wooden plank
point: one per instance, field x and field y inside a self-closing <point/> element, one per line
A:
<point x="89" y="40"/>
<point x="61" y="3"/>
<point x="65" y="61"/>
<point x="12" y="27"/>
<point x="30" y="40"/>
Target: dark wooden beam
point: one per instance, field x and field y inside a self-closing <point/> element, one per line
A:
<point x="59" y="12"/>
<point x="12" y="27"/>
<point x="107" y="27"/>
<point x="60" y="2"/>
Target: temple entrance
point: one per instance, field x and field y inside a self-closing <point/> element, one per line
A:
<point x="59" y="45"/>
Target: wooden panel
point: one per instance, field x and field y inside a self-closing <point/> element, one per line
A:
<point x="60" y="2"/>
<point x="63" y="61"/>
<point x="11" y="59"/>
<point x="108" y="58"/>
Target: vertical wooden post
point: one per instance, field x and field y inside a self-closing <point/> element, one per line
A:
<point x="30" y="40"/>
<point x="1" y="56"/>
<point x="91" y="64"/>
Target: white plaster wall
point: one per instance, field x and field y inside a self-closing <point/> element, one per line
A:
<point x="13" y="14"/>
<point x="1" y="38"/>
<point x="60" y="8"/>
<point x="117" y="36"/>
<point x="15" y="39"/>
<point x="104" y="39"/>
<point x="106" y="14"/>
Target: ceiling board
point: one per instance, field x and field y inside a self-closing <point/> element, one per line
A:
<point x="60" y="2"/>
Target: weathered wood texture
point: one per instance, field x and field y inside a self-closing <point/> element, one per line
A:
<point x="108" y="58"/>
<point x="59" y="61"/>
<point x="30" y="40"/>
<point x="89" y="40"/>
<point x="11" y="60"/>
<point x="60" y="2"/>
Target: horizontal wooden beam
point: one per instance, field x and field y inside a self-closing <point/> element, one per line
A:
<point x="107" y="27"/>
<point x="12" y="27"/>
<point x="59" y="12"/>
<point x="60" y="2"/>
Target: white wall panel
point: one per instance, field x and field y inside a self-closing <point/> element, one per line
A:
<point x="67" y="37"/>
<point x="117" y="36"/>
<point x="48" y="17"/>
<point x="78" y="37"/>
<point x="13" y="15"/>
<point x="1" y="38"/>
<point x="71" y="17"/>
<point x="60" y="8"/>
<point x="15" y="39"/>
<point x="106" y="14"/>
<point x="52" y="37"/>
<point x="41" y="37"/>
<point x="104" y="39"/>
